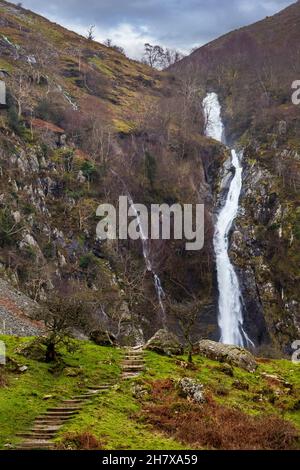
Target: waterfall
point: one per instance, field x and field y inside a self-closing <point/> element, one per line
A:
<point x="146" y="253"/>
<point x="230" y="298"/>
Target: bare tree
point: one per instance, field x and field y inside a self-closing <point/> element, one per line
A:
<point x="171" y="56"/>
<point x="20" y="89"/>
<point x="158" y="57"/>
<point x="61" y="315"/>
<point x="154" y="55"/>
<point x="91" y="33"/>
<point x="186" y="314"/>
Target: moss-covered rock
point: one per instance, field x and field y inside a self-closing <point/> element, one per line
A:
<point x="164" y="342"/>
<point x="233" y="355"/>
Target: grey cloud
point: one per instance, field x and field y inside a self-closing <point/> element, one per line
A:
<point x="174" y="23"/>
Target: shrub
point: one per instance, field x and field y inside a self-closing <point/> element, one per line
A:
<point x="86" y="261"/>
<point x="14" y="121"/>
<point x="89" y="170"/>
<point x="150" y="167"/>
<point x="50" y="109"/>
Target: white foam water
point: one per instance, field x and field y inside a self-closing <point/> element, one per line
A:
<point x="230" y="299"/>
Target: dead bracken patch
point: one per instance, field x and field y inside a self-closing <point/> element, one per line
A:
<point x="215" y="426"/>
<point x="81" y="441"/>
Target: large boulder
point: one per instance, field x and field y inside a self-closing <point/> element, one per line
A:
<point x="165" y="342"/>
<point x="233" y="355"/>
<point x="103" y="338"/>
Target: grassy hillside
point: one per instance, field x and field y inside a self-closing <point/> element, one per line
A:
<point x="148" y="412"/>
<point x="85" y="69"/>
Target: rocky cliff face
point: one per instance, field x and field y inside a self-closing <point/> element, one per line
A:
<point x="264" y="248"/>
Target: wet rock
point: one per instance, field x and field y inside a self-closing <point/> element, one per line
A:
<point x="232" y="355"/>
<point x="164" y="342"/>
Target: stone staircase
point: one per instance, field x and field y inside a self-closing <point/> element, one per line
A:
<point x="133" y="363"/>
<point x="46" y="426"/>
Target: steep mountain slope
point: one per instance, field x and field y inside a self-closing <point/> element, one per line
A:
<point x="78" y="114"/>
<point x="252" y="69"/>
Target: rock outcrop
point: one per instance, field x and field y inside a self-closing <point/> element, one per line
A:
<point x="103" y="338"/>
<point x="164" y="342"/>
<point x="233" y="355"/>
<point x="191" y="389"/>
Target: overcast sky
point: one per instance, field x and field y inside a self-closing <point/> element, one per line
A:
<point x="181" y="24"/>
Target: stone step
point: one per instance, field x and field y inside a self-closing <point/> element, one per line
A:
<point x="132" y="372"/>
<point x="37" y="435"/>
<point x="49" y="424"/>
<point x="133" y="367"/>
<point x="54" y="420"/>
<point x="44" y="428"/>
<point x="35" y="444"/>
<point x="101" y="387"/>
<point x="88" y="395"/>
<point x="47" y="427"/>
<point x="134" y="358"/>
<point x="72" y="402"/>
<point x="65" y="409"/>
<point x="31" y="447"/>
<point x="133" y="354"/>
<point x="60" y="414"/>
<point x="135" y="363"/>
<point x="129" y="376"/>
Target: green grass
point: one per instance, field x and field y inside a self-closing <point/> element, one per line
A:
<point x="22" y="400"/>
<point x="116" y="417"/>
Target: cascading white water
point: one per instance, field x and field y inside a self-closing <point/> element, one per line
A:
<point x="146" y="253"/>
<point x="230" y="298"/>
